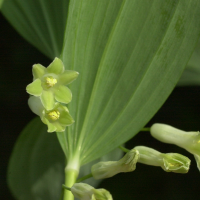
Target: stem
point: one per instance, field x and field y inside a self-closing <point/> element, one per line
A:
<point x="124" y="149"/>
<point x="65" y="187"/>
<point x="70" y="179"/>
<point x="145" y="129"/>
<point x="84" y="178"/>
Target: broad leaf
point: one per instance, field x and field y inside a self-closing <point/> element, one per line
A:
<point x="36" y="168"/>
<point x="130" y="55"/>
<point x="191" y="74"/>
<point x="41" y="22"/>
<point x="1" y="2"/>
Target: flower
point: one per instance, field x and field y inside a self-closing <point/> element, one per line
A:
<point x="187" y="140"/>
<point x="108" y="169"/>
<point x="169" y="162"/>
<point x="49" y="84"/>
<point x="56" y="119"/>
<point x="174" y="162"/>
<point x="84" y="191"/>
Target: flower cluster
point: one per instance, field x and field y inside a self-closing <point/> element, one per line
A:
<point x="169" y="162"/>
<point x="50" y="92"/>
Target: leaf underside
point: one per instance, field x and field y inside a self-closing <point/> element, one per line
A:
<point x="191" y="74"/>
<point x="130" y="55"/>
<point x="40" y="22"/>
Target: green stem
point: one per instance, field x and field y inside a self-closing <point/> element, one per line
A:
<point x="70" y="179"/>
<point x="65" y="187"/>
<point x="145" y="129"/>
<point x="84" y="178"/>
<point x="124" y="149"/>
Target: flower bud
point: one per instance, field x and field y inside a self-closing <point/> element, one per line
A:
<point x="170" y="162"/>
<point x="108" y="169"/>
<point x="101" y="194"/>
<point x="84" y="191"/>
<point x="187" y="140"/>
<point x="174" y="162"/>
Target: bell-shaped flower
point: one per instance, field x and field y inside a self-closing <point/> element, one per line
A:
<point x="50" y="83"/>
<point x="108" y="169"/>
<point x="187" y="140"/>
<point x="56" y="119"/>
<point x="169" y="162"/>
<point x="84" y="191"/>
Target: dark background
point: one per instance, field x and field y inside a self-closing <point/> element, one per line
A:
<point x="180" y="110"/>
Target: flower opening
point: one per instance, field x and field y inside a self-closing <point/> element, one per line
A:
<point x="54" y="115"/>
<point x="50" y="81"/>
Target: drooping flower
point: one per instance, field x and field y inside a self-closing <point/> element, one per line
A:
<point x="108" y="169"/>
<point x="187" y="140"/>
<point x="169" y="162"/>
<point x="84" y="191"/>
<point x="56" y="119"/>
<point x="49" y="84"/>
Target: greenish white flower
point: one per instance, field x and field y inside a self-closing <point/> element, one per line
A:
<point x="108" y="169"/>
<point x="187" y="140"/>
<point x="56" y="119"/>
<point x="169" y="162"/>
<point x="49" y="84"/>
<point x="84" y="191"/>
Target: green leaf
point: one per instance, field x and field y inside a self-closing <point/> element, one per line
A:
<point x="40" y="22"/>
<point x="191" y="75"/>
<point x="36" y="167"/>
<point x="130" y="55"/>
<point x="1" y="2"/>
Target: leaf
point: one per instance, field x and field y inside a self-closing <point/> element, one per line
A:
<point x="191" y="74"/>
<point x="130" y="55"/>
<point x="40" y="22"/>
<point x="36" y="167"/>
<point x="1" y="2"/>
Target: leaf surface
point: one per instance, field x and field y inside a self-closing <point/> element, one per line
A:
<point x="36" y="167"/>
<point x="40" y="22"/>
<point x="1" y="2"/>
<point x="130" y="55"/>
<point x="191" y="74"/>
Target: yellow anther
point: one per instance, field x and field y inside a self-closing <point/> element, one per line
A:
<point x="50" y="81"/>
<point x="54" y="115"/>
